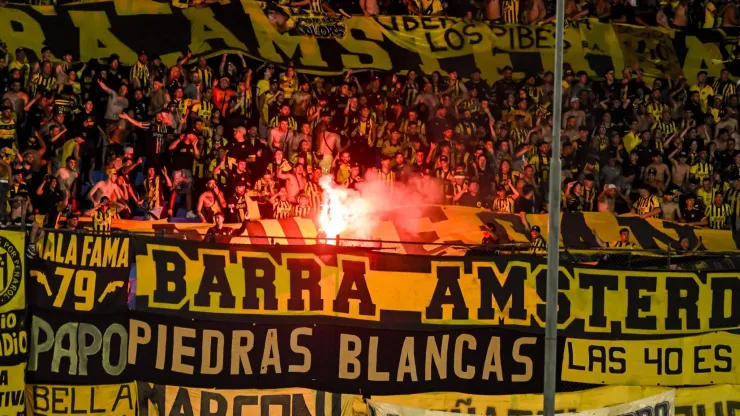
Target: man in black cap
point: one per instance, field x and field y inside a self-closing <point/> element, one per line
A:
<point x="478" y="83"/>
<point x="538" y="244"/>
<point x="648" y="205"/>
<point x="691" y="213"/>
<point x="216" y="233"/>
<point x="505" y="85"/>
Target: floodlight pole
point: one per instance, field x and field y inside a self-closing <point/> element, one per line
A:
<point x="553" y="240"/>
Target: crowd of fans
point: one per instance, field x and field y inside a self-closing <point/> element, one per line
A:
<point x="213" y="141"/>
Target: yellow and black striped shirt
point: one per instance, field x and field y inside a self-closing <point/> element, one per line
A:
<point x="204" y="109"/>
<point x="510" y="11"/>
<point x="655" y="108"/>
<point x="102" y="220"/>
<point x="388" y="179"/>
<point x="141" y="72"/>
<point x="645" y="205"/>
<point x="302" y="211"/>
<point x="541" y="166"/>
<point x="589" y="199"/>
<point x="206" y="76"/>
<point x="292" y="124"/>
<point x="504" y="205"/>
<point x="315" y="195"/>
<point x="518" y="136"/>
<point x="701" y="170"/>
<point x="717" y="216"/>
<point x="538" y="246"/>
<point x="666" y="127"/>
<point x="281" y="209"/>
<point x="724" y="89"/>
<point x="731" y="198"/>
<point x="39" y="83"/>
<point x="7" y="130"/>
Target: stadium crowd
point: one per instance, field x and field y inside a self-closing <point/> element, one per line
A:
<point x="211" y="140"/>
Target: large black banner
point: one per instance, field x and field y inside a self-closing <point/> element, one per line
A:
<point x="333" y="358"/>
<point x="396" y="43"/>
<point x="81" y="272"/>
<point x="77" y="348"/>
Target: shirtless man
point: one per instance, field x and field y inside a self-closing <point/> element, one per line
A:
<point x="662" y="173"/>
<point x="210" y="202"/>
<point x="67" y="175"/>
<point x="328" y="144"/>
<point x="293" y="146"/>
<point x="280" y="135"/>
<point x="108" y="189"/>
<point x="299" y="101"/>
<point x="536" y="12"/>
<point x="679" y="168"/>
<point x="18" y="98"/>
<point x="295" y="182"/>
<point x="493" y="9"/>
<point x="370" y="7"/>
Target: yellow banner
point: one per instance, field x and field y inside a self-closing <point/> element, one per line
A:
<point x="12" y="271"/>
<point x="170" y="400"/>
<point x="399" y="43"/>
<point x="191" y="277"/>
<point x="12" y="390"/>
<point x="719" y="400"/>
<point x="697" y="360"/>
<point x="108" y="400"/>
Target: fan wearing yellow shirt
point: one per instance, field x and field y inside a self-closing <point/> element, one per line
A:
<point x="717" y="214"/>
<point x="705" y="90"/>
<point x="648" y="205"/>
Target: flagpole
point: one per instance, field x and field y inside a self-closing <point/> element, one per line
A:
<point x="553" y="240"/>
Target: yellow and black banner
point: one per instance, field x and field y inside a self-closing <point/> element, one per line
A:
<point x="211" y="281"/>
<point x="398" y="43"/>
<point x="106" y="399"/>
<point x="710" y="358"/>
<point x="156" y="400"/>
<point x="439" y="231"/>
<point x="81" y="272"/>
<point x="720" y="400"/>
<point x="13" y="389"/>
<point x="12" y="271"/>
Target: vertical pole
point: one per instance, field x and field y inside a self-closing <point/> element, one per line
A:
<point x="553" y="241"/>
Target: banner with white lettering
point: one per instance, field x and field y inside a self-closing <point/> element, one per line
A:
<point x="662" y="404"/>
<point x="340" y="359"/>
<point x="80" y="272"/>
<point x="108" y="400"/>
<point x="77" y="348"/>
<point x="156" y="399"/>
